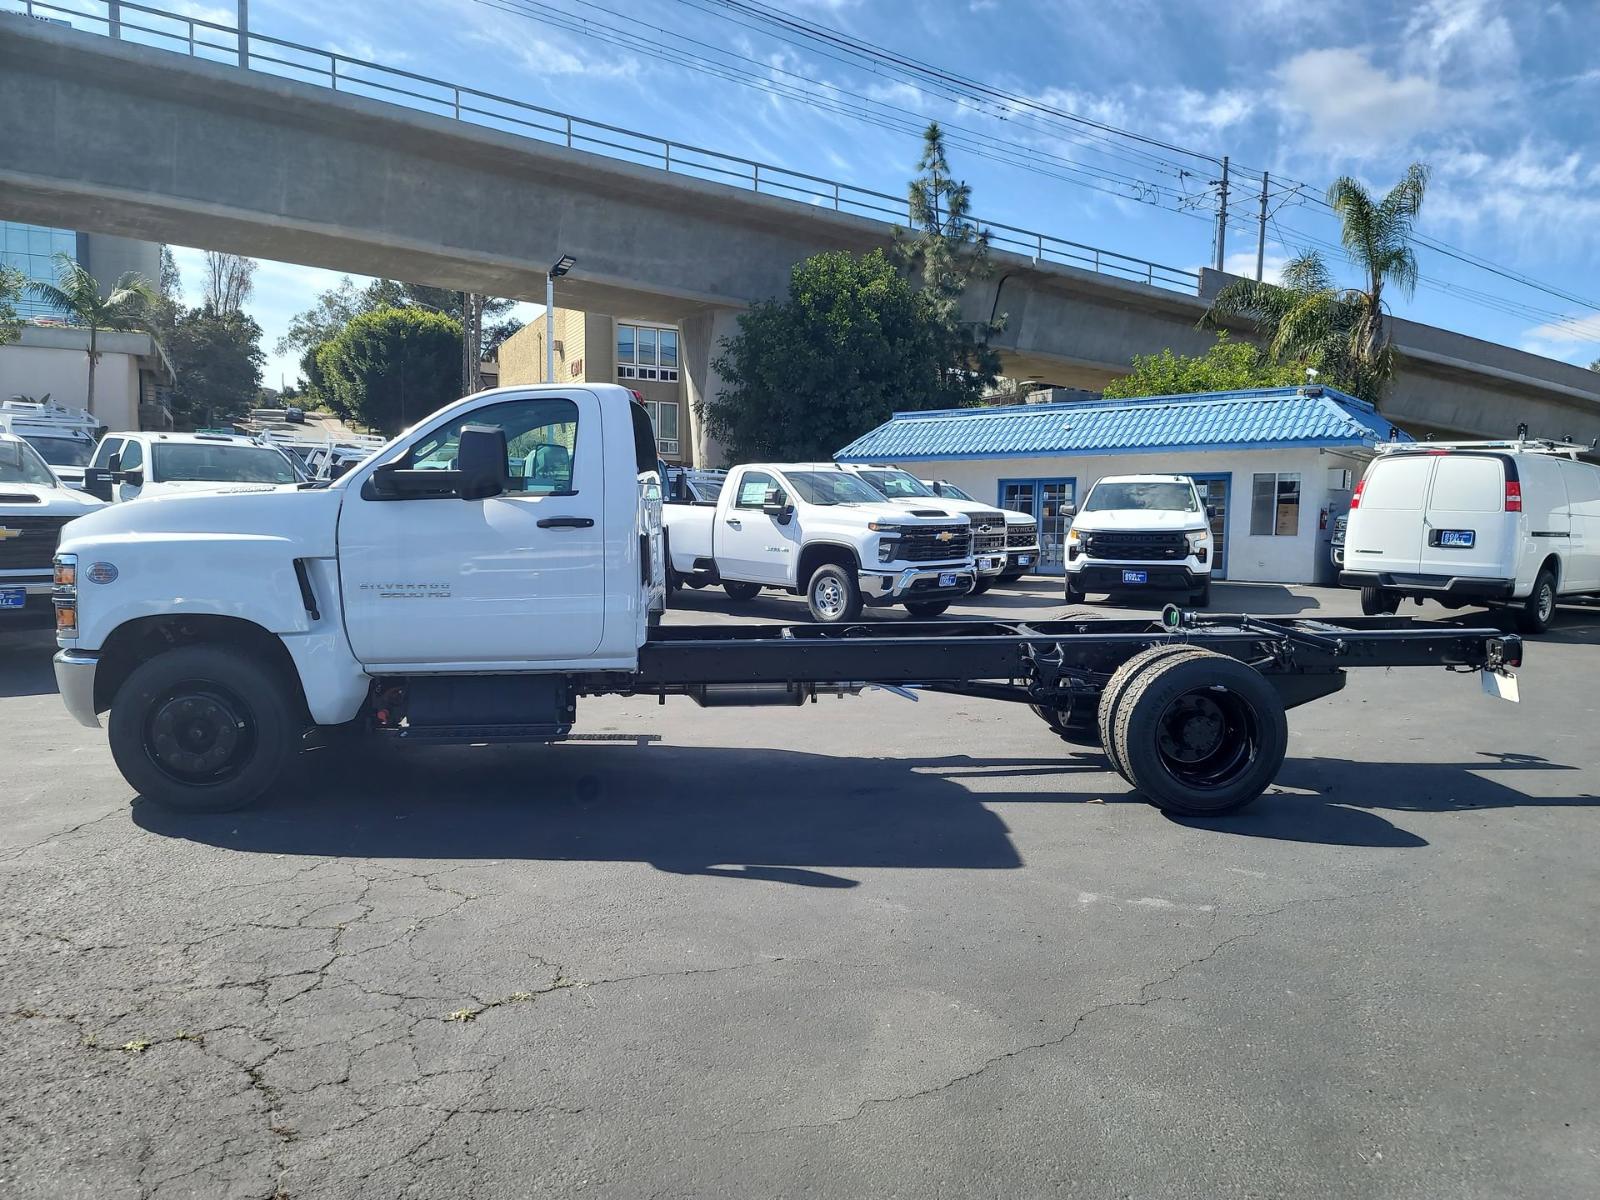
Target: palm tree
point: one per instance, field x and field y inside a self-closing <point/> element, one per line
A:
<point x="1341" y="331"/>
<point x="76" y="293"/>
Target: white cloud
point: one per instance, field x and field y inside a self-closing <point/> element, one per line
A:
<point x="1350" y="104"/>
<point x="1243" y="264"/>
<point x="1471" y="38"/>
<point x="1574" y="330"/>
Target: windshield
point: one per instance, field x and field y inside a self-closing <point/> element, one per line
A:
<point x="198" y="461"/>
<point x="64" y="452"/>
<point x="20" y="463"/>
<point x="955" y="493"/>
<point x="832" y="487"/>
<point x="1157" y="497"/>
<point x="897" y="485"/>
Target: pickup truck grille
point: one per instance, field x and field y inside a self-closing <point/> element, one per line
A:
<point x="1136" y="547"/>
<point x="988" y="532"/>
<point x="29" y="541"/>
<point x="924" y="544"/>
<point x="1018" y="536"/>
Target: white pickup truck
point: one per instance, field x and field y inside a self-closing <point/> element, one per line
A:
<point x="818" y="531"/>
<point x="501" y="560"/>
<point x="904" y="490"/>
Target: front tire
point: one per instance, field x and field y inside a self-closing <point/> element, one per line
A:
<point x="741" y="591"/>
<point x="203" y="728"/>
<point x="981" y="585"/>
<point x="1536" y="612"/>
<point x="1201" y="597"/>
<point x="1075" y="594"/>
<point x="833" y="595"/>
<point x="1379" y="602"/>
<point x="927" y="608"/>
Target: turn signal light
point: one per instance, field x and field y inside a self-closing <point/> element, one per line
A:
<point x="66" y="620"/>
<point x="66" y="573"/>
<point x="1513" y="496"/>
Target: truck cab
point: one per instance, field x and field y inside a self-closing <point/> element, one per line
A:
<point x="905" y="490"/>
<point x="133" y="466"/>
<point x="815" y="530"/>
<point x="1140" y="533"/>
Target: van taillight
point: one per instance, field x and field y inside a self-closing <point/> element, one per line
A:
<point x="1355" y="496"/>
<point x="1513" y="496"/>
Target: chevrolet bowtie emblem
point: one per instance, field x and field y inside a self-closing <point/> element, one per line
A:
<point x="7" y="534"/>
<point x="946" y="536"/>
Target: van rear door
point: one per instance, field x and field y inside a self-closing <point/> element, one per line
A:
<point x="1467" y="531"/>
<point x="1385" y="531"/>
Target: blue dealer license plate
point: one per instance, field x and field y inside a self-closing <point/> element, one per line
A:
<point x="1462" y="538"/>
<point x="948" y="579"/>
<point x="13" y="597"/>
<point x="1136" y="577"/>
<point x="1024" y="560"/>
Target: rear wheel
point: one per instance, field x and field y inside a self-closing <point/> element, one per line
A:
<point x="927" y="608"/>
<point x="1117" y="686"/>
<point x="203" y="728"/>
<point x="1379" y="602"/>
<point x="1201" y="735"/>
<point x="1539" y="609"/>
<point x="833" y="595"/>
<point x="741" y="591"/>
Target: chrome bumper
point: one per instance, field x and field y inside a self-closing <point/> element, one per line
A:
<point x="75" y="681"/>
<point x="888" y="587"/>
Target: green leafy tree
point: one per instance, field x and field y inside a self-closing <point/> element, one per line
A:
<point x="386" y="369"/>
<point x="12" y="283"/>
<point x="1341" y="331"/>
<point x="853" y="343"/>
<point x="216" y="361"/>
<point x="1228" y="366"/>
<point x="947" y="250"/>
<point x="76" y="293"/>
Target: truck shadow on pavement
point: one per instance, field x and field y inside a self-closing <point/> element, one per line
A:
<point x="25" y="660"/>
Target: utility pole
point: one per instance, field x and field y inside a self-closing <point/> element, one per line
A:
<point x="1222" y="214"/>
<point x="1261" y="232"/>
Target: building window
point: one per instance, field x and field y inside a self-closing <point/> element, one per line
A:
<point x="647" y="352"/>
<point x="664" y="420"/>
<point x="31" y="249"/>
<point x="1275" y="504"/>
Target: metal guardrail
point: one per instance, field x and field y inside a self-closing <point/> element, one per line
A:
<point x="215" y="42"/>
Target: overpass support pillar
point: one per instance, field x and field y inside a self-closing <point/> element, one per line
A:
<point x="703" y="335"/>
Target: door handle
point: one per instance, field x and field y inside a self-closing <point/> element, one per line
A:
<point x="735" y="522"/>
<point x="566" y="523"/>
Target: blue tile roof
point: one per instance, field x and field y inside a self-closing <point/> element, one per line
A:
<point x="1247" y="420"/>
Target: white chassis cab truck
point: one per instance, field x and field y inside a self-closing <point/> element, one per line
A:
<point x="501" y="561"/>
<point x="818" y="531"/>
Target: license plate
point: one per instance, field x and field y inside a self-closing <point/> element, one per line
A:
<point x="990" y="564"/>
<point x="1024" y="560"/>
<point x="948" y="579"/>
<point x="1136" y="577"/>
<point x="1501" y="687"/>
<point x="1457" y="537"/>
<point x="13" y="597"/>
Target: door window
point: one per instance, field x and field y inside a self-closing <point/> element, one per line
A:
<point x="1397" y="483"/>
<point x="132" y="456"/>
<point x="753" y="489"/>
<point x="541" y="440"/>
<point x="102" y="456"/>
<point x="1275" y="504"/>
<point x="1466" y="483"/>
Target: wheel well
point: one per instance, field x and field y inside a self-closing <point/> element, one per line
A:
<point x="140" y="640"/>
<point x="1553" y="561"/>
<point x="814" y="555"/>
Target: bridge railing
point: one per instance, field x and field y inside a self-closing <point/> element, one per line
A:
<point x="221" y="43"/>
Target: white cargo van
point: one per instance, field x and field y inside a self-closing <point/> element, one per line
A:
<point x="1502" y="524"/>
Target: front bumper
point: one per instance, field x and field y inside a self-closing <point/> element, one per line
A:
<point x="1454" y="586"/>
<point x="75" y="681"/>
<point x="1023" y="558"/>
<point x="1107" y="577"/>
<point x="915" y="583"/>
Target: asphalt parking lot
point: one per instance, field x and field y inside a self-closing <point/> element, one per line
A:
<point x="867" y="948"/>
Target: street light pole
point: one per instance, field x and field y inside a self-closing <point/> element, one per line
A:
<point x="561" y="267"/>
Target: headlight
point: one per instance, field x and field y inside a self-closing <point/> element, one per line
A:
<point x="885" y="527"/>
<point x="1073" y="535"/>
<point x="1198" y="539"/>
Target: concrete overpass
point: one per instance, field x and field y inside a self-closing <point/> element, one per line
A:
<point x="145" y="143"/>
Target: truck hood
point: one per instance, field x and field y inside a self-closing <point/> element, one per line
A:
<point x="1143" y="520"/>
<point x="189" y="487"/>
<point x="900" y="510"/>
<point x="44" y="501"/>
<point x="307" y="518"/>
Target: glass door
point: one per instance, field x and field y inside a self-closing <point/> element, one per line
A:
<point x="1044" y="500"/>
<point x="1214" y="491"/>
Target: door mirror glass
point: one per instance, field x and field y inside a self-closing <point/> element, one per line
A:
<point x="481" y="462"/>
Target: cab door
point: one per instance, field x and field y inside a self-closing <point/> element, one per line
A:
<point x="750" y="545"/>
<point x="516" y="578"/>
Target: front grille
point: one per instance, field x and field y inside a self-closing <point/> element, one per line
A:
<point x="1018" y="536"/>
<point x="924" y="545"/>
<point x="29" y="541"/>
<point x="1136" y="547"/>
<point x="988" y="532"/>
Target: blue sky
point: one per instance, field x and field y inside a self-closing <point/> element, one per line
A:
<point x="1498" y="97"/>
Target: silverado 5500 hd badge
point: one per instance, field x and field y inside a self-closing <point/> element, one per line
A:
<point x="408" y="591"/>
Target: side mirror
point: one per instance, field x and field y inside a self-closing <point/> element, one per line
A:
<point x="481" y="462"/>
<point x="133" y="478"/>
<point x="97" y="482"/>
<point x="1069" y="511"/>
<point x="775" y="505"/>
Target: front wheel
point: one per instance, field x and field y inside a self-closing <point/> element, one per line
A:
<point x="1201" y="597"/>
<point x="202" y="728"/>
<point x="1075" y="594"/>
<point x="833" y="595"/>
<point x="927" y="608"/>
<point x="1536" y="612"/>
<point x="741" y="591"/>
<point x="981" y="585"/>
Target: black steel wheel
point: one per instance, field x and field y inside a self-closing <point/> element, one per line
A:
<point x="1117" y="686"/>
<point x="1201" y="734"/>
<point x="203" y="728"/>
